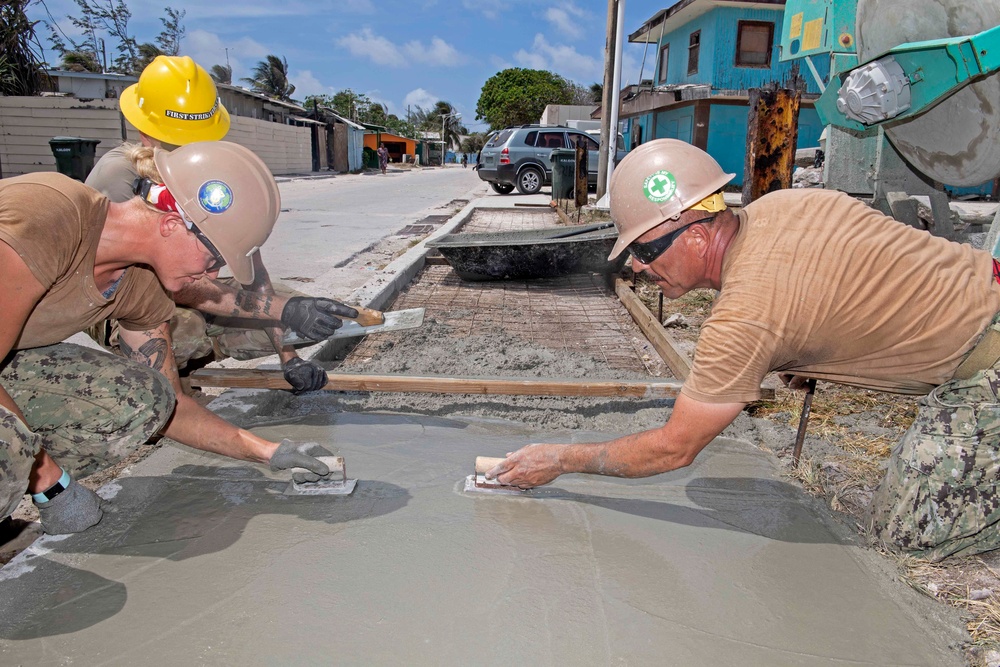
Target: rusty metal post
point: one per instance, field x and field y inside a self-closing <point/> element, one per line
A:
<point x="582" y="169"/>
<point x="800" y="436"/>
<point x="772" y="132"/>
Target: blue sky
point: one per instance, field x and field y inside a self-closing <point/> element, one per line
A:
<point x="398" y="52"/>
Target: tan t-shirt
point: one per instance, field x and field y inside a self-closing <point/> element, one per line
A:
<point x="818" y="284"/>
<point x="54" y="223"/>
<point x="113" y="176"/>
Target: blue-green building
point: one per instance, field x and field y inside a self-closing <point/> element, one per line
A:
<point x="706" y="55"/>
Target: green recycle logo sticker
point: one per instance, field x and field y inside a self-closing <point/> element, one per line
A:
<point x="659" y="186"/>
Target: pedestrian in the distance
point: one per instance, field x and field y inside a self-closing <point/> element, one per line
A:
<point x="383" y="157"/>
<point x="465" y="160"/>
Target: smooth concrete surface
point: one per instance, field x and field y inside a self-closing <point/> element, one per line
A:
<point x="202" y="560"/>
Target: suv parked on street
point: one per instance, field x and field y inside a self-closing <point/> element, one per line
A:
<point x="519" y="157"/>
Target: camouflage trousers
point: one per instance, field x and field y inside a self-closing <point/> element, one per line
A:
<point x="85" y="408"/>
<point x="939" y="497"/>
<point x="196" y="335"/>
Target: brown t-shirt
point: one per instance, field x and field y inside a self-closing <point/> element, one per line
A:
<point x="818" y="284"/>
<point x="54" y="223"/>
<point x="113" y="176"/>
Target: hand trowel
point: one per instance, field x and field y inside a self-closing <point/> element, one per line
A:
<point x="368" y="321"/>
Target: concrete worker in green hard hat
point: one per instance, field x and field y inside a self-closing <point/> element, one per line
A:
<point x="71" y="258"/>
<point x="174" y="103"/>
<point x="814" y="284"/>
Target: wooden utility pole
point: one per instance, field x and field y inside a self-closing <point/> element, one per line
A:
<point x="606" y="97"/>
<point x="582" y="169"/>
<point x="772" y="132"/>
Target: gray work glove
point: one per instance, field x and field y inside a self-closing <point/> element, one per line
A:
<point x="291" y="454"/>
<point x="304" y="375"/>
<point x="74" y="510"/>
<point x="314" y="318"/>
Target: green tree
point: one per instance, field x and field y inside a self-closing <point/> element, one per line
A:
<point x="222" y="74"/>
<point x="169" y="39"/>
<point x="443" y="119"/>
<point x="474" y="142"/>
<point x="597" y="93"/>
<point x="270" y="77"/>
<point x="518" y="96"/>
<point x="20" y="66"/>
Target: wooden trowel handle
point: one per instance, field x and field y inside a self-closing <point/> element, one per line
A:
<point x="368" y="317"/>
<point x="485" y="463"/>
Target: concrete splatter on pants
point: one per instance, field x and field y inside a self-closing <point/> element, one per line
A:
<point x="87" y="409"/>
<point x="196" y="336"/>
<point x="939" y="497"/>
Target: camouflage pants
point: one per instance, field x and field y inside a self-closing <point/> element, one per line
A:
<point x="939" y="497"/>
<point x="86" y="409"/>
<point x="196" y="336"/>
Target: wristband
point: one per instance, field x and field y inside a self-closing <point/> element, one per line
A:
<point x="53" y="491"/>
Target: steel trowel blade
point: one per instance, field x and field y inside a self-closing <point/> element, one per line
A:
<point x="395" y="320"/>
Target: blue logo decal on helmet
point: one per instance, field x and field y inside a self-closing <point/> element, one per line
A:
<point x="215" y="197"/>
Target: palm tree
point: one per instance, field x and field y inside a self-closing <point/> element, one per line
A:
<point x="444" y="119"/>
<point x="20" y="67"/>
<point x="222" y="74"/>
<point x="270" y="77"/>
<point x="81" y="61"/>
<point x="147" y="53"/>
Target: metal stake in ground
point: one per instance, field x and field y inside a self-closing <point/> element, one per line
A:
<point x="803" y="421"/>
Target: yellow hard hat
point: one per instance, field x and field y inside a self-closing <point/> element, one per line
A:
<point x="176" y="102"/>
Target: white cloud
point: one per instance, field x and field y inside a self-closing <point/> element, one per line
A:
<point x="491" y="9"/>
<point x="567" y="18"/>
<point x="307" y="84"/>
<point x="438" y="52"/>
<point x="381" y="51"/>
<point x="420" y="98"/>
<point x="369" y="45"/>
<point x="561" y="59"/>
<point x="207" y="49"/>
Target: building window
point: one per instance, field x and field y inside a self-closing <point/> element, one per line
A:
<point x="754" y="41"/>
<point x="694" y="45"/>
<point x="664" y="58"/>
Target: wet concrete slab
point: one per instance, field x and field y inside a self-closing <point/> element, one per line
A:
<point x="201" y="560"/>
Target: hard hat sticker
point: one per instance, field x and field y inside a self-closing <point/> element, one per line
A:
<point x="659" y="186"/>
<point x="215" y="196"/>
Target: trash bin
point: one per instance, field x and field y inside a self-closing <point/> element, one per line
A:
<point x="74" y="155"/>
<point x="563" y="172"/>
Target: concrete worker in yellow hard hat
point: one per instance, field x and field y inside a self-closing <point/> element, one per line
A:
<point x="174" y="103"/>
<point x="814" y="284"/>
<point x="73" y="258"/>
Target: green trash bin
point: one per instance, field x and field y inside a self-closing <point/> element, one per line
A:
<point x="74" y="155"/>
<point x="563" y="172"/>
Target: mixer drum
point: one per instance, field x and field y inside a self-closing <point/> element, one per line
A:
<point x="956" y="142"/>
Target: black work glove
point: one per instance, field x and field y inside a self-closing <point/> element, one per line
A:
<point x="304" y="375"/>
<point x="74" y="510"/>
<point x="314" y="318"/>
<point x="291" y="454"/>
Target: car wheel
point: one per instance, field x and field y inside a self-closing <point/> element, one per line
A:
<point x="502" y="188"/>
<point x="529" y="181"/>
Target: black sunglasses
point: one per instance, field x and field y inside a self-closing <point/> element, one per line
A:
<point x="141" y="187"/>
<point x="648" y="252"/>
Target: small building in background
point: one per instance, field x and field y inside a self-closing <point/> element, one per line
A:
<point x="707" y="55"/>
<point x="401" y="149"/>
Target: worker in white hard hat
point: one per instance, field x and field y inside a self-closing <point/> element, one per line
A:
<point x="814" y="284"/>
<point x="70" y="258"/>
<point x="175" y="102"/>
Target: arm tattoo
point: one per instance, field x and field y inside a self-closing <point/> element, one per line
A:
<point x="251" y="304"/>
<point x="153" y="352"/>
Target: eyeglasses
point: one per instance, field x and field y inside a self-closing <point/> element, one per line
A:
<point x="648" y="252"/>
<point x="164" y="201"/>
<point x="219" y="260"/>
